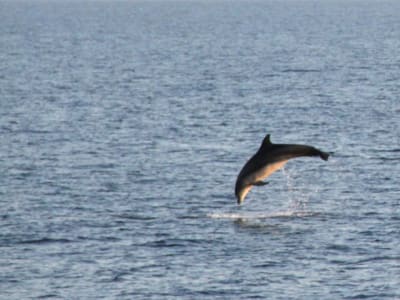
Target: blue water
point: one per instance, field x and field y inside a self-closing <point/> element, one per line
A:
<point x="124" y="125"/>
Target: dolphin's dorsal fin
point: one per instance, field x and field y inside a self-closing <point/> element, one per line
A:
<point x="266" y="142"/>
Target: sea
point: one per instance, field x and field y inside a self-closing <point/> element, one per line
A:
<point x="124" y="125"/>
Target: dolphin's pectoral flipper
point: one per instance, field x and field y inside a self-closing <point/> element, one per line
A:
<point x="260" y="183"/>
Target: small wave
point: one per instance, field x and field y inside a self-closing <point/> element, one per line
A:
<point x="49" y="296"/>
<point x="279" y="214"/>
<point x="45" y="241"/>
<point x="134" y="217"/>
<point x="172" y="242"/>
<point x="394" y="150"/>
<point x="378" y="259"/>
<point x="301" y="71"/>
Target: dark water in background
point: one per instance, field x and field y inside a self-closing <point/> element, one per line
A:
<point x="123" y="126"/>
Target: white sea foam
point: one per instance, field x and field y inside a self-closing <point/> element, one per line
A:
<point x="261" y="215"/>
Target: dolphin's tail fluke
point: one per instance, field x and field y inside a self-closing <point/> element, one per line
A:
<point x="324" y="155"/>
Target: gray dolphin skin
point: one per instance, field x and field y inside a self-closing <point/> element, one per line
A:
<point x="268" y="159"/>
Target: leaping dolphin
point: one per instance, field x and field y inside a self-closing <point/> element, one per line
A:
<point x="268" y="159"/>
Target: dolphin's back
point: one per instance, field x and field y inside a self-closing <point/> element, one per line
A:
<point x="278" y="153"/>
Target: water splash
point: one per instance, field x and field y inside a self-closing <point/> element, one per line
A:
<point x="298" y="198"/>
<point x="262" y="215"/>
<point x="297" y="206"/>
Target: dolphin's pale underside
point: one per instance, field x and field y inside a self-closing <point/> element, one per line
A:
<point x="268" y="159"/>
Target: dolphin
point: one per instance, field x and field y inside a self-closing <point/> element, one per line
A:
<point x="268" y="159"/>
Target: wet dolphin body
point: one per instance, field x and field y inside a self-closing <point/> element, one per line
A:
<point x="268" y="159"/>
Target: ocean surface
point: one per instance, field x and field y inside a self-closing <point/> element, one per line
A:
<point x="124" y="124"/>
